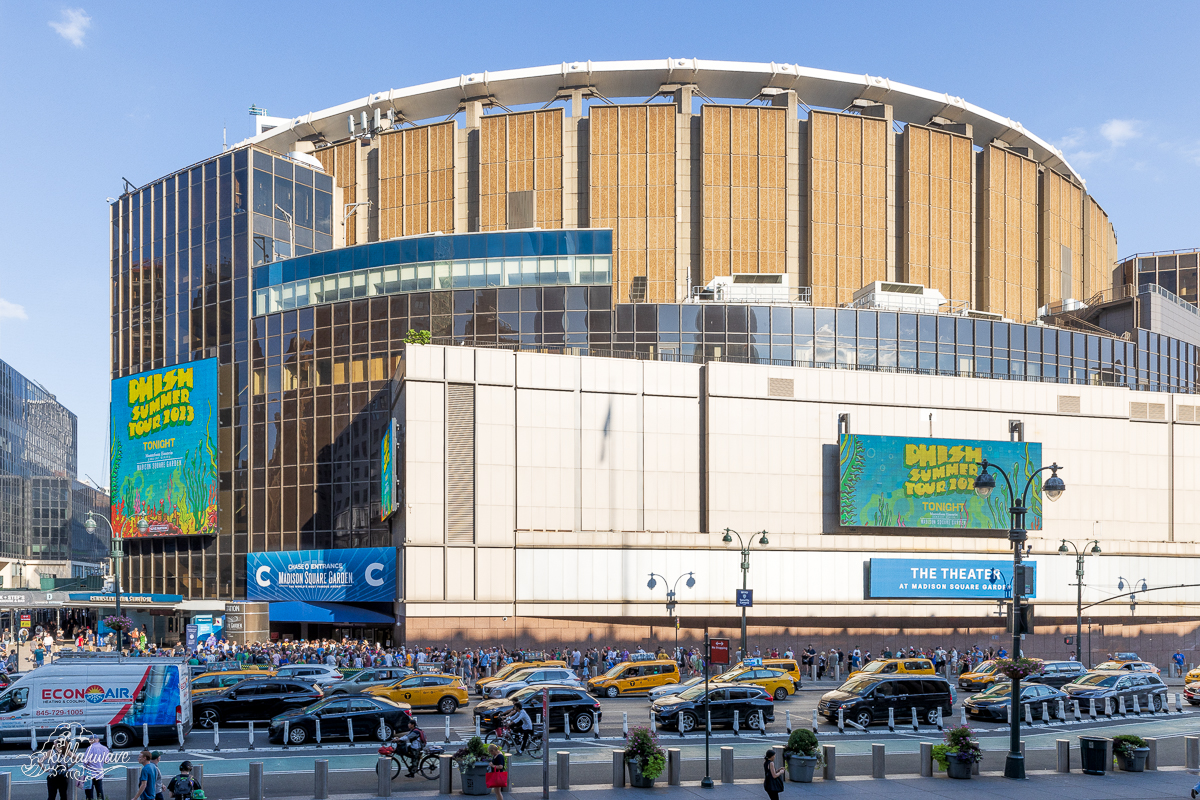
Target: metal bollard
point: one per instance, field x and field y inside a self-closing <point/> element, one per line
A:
<point x="216" y="737"/>
<point x="317" y="724"/>
<point x="830" y="772"/>
<point x="1191" y="752"/>
<point x="1137" y="706"/>
<point x="1062" y="710"/>
<point x="891" y="719"/>
<point x="625" y="724"/>
<point x="788" y="720"/>
<point x="33" y="739"/>
<point x="256" y="780"/>
<point x="1108" y="707"/>
<point x="814" y="721"/>
<point x="595" y="725"/>
<point x="939" y="720"/>
<point x="1063" y="749"/>
<point x="131" y="782"/>
<point x="726" y="765"/>
<point x="735" y="724"/>
<point x="1152" y="756"/>
<point x="564" y="769"/>
<point x="914" y="719"/>
<point x="926" y="759"/>
<point x="5" y="786"/>
<point x="1076" y="708"/>
<point x="1178" y="703"/>
<point x="841" y="720"/>
<point x="383" y="777"/>
<point x="198" y="772"/>
<point x="250" y="730"/>
<point x="962" y="716"/>
<point x="477" y="733"/>
<point x="179" y="734"/>
<point x="1092" y="709"/>
<point x="813" y="668"/>
<point x="1028" y="715"/>
<point x="1108" y="755"/>
<point x="1045" y="712"/>
<point x="618" y="769"/>
<point x="349" y="729"/>
<point x="108" y="736"/>
<point x="1121" y="706"/>
<point x="286" y="724"/>
<point x="448" y="728"/>
<point x="653" y="726"/>
<point x="878" y="764"/>
<point x="321" y="779"/>
<point x="445" y="773"/>
<point x="674" y="767"/>
<point x="145" y="735"/>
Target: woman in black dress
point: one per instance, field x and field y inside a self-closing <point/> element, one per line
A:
<point x="497" y="771"/>
<point x="772" y="776"/>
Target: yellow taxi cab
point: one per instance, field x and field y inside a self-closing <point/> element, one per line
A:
<point x="216" y="681"/>
<point x="427" y="690"/>
<point x="635" y="676"/>
<point x="509" y="669"/>
<point x="777" y="683"/>
<point x="897" y="666"/>
<point x="1128" y="666"/>
<point x="1192" y="676"/>
<point x="981" y="677"/>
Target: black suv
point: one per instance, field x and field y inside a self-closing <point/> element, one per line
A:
<point x="1058" y="673"/>
<point x="866" y="698"/>
<point x="1149" y="689"/>
<point x="258" y="699"/>
<point x="566" y="702"/>
<point x="685" y="711"/>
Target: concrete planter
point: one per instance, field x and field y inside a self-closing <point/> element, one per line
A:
<point x="636" y="779"/>
<point x="474" y="779"/>
<point x="960" y="770"/>
<point x="800" y="768"/>
<point x="1135" y="762"/>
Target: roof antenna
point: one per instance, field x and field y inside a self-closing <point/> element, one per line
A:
<point x="224" y="145"/>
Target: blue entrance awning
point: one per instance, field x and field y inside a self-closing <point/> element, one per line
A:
<point x="299" y="611"/>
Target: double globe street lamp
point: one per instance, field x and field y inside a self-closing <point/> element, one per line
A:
<point x="117" y="554"/>
<point x="727" y="539"/>
<point x="691" y="581"/>
<point x="1079" y="554"/>
<point x="1014" y="764"/>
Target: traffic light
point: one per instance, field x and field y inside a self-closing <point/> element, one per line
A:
<point x="1023" y="576"/>
<point x="1025" y="623"/>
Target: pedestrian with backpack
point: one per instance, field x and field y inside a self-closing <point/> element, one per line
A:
<point x="183" y="785"/>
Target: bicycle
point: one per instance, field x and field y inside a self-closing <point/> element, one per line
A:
<point x="425" y="761"/>
<point x="510" y="740"/>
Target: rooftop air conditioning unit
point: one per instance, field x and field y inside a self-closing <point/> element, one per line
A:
<point x="748" y="288"/>
<point x="911" y="297"/>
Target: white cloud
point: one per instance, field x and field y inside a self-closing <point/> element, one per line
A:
<point x="1120" y="131"/>
<point x="11" y="310"/>
<point x="72" y="25"/>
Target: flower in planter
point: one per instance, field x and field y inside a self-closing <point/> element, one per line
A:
<point x="121" y="623"/>
<point x="643" y="748"/>
<point x="1126" y="743"/>
<point x="1019" y="667"/>
<point x="961" y="745"/>
<point x="474" y="752"/>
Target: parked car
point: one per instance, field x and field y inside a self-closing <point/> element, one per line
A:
<point x="509" y="669"/>
<point x="778" y="684"/>
<point x="312" y="673"/>
<point x="1099" y="685"/>
<point x="1127" y="666"/>
<point x="981" y="677"/>
<point x="674" y="688"/>
<point x="638" y="676"/>
<point x="258" y="699"/>
<point x="534" y="676"/>
<point x="366" y="678"/>
<point x="566" y="702"/>
<point x="1058" y="673"/>
<point x="893" y="666"/>
<point x="684" y="711"/>
<point x="370" y="717"/>
<point x="993" y="703"/>
<point x="1191" y="693"/>
<point x="787" y="665"/>
<point x="866" y="698"/>
<point x="441" y="691"/>
<point x="216" y="681"/>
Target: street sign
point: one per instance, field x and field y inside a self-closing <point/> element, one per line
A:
<point x="745" y="598"/>
<point x="25" y="621"/>
<point x="192" y="636"/>
<point x="718" y="650"/>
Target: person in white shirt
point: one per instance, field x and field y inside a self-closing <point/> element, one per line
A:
<point x="94" y="760"/>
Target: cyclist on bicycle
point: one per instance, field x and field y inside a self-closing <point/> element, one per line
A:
<point x="518" y="719"/>
<point x="409" y="746"/>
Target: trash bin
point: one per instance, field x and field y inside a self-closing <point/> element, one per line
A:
<point x="1092" y="751"/>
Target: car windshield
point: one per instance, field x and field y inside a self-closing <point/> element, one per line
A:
<point x="319" y="705"/>
<point x="997" y="690"/>
<point x="874" y="666"/>
<point x="522" y="675"/>
<point x="693" y="692"/>
<point x="858" y="685"/>
<point x="1110" y="665"/>
<point x="522" y="695"/>
<point x="615" y="671"/>
<point x="731" y="675"/>
<point x="1097" y="680"/>
<point x="986" y="668"/>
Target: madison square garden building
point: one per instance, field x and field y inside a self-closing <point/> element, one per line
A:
<point x="664" y="298"/>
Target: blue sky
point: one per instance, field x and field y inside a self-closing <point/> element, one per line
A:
<point x="94" y="91"/>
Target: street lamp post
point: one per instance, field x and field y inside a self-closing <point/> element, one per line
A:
<point x="727" y="539"/>
<point x="1079" y="554"/>
<point x="1134" y="585"/>
<point x="117" y="554"/>
<point x="691" y="581"/>
<point x="1014" y="764"/>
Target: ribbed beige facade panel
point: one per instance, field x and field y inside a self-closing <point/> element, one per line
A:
<point x="521" y="152"/>
<point x="937" y="212"/>
<point x="744" y="190"/>
<point x="1060" y="246"/>
<point x="340" y="162"/>
<point x="848" y="180"/>
<point x="1099" y="249"/>
<point x="632" y="185"/>
<point x="416" y="180"/>
<point x="1007" y="266"/>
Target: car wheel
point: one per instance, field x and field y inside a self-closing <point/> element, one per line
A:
<point x="583" y="722"/>
<point x="863" y="718"/>
<point x="755" y="721"/>
<point x="447" y="705"/>
<point x="297" y="735"/>
<point x="687" y="722"/>
<point x="384" y="732"/>
<point x="122" y="737"/>
<point x="781" y="693"/>
<point x="932" y="716"/>
<point x="208" y="718"/>
<point x="611" y="692"/>
<point x="1156" y="702"/>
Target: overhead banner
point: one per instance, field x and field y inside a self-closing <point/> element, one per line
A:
<point x="387" y="472"/>
<point x="366" y="575"/>
<point x="910" y="482"/>
<point x="941" y="579"/>
<point x="164" y="451"/>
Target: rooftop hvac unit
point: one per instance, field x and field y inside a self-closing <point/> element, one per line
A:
<point x="912" y="297"/>
<point x="748" y="288"/>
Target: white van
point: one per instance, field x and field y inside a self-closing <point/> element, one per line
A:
<point x="95" y="690"/>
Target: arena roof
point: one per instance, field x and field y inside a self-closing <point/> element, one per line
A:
<point x="643" y="79"/>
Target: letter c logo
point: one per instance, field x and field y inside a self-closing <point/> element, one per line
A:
<point x="372" y="569"/>
<point x="260" y="576"/>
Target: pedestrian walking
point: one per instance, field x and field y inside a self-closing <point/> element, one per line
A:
<point x="56" y="763"/>
<point x="94" y="759"/>
<point x="497" y="774"/>
<point x="772" y="776"/>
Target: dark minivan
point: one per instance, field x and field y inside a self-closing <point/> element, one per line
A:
<point x="1058" y="673"/>
<point x="866" y="698"/>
